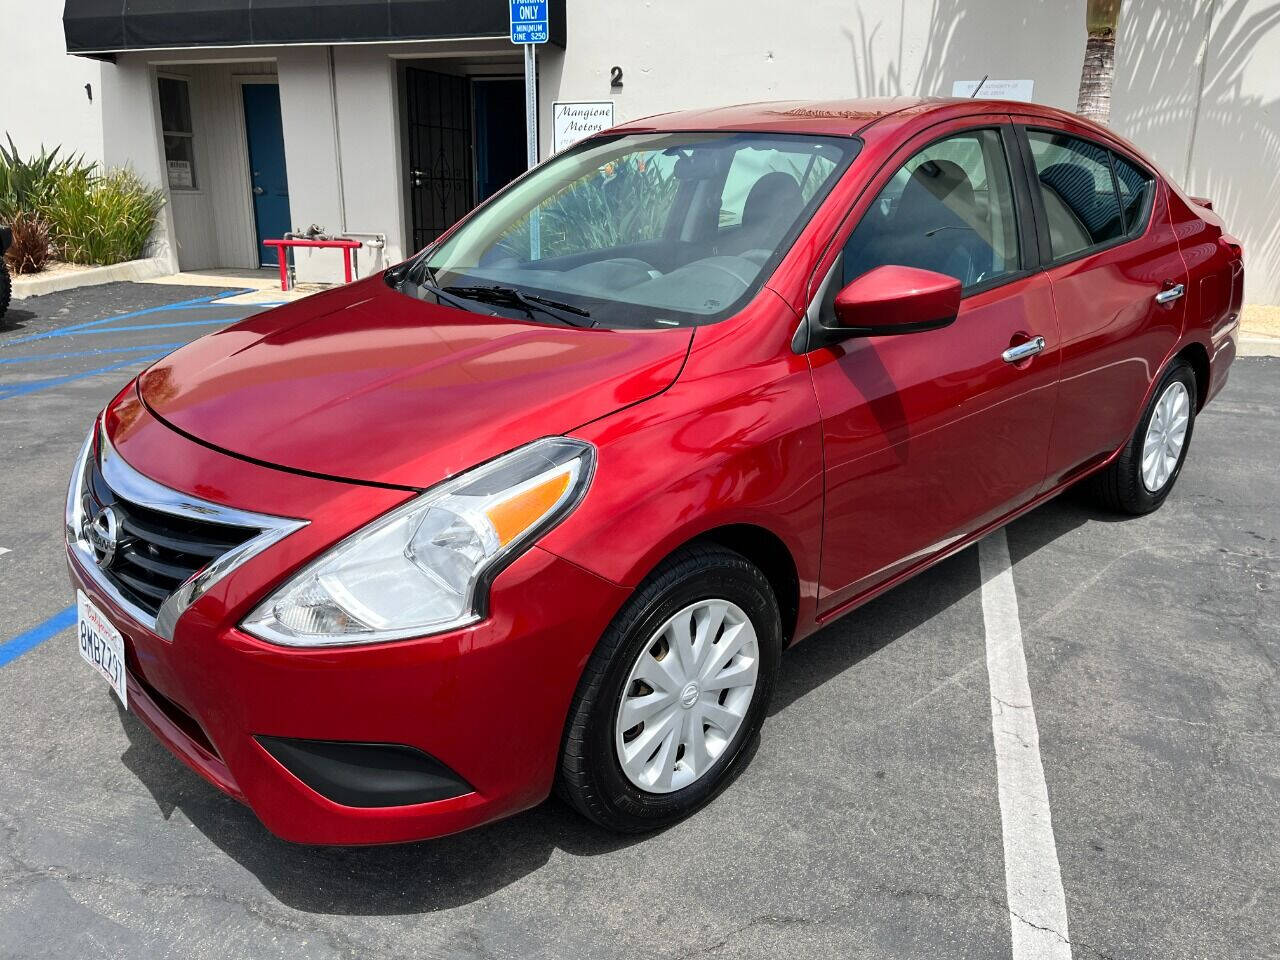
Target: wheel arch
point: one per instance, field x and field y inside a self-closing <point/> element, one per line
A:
<point x="1197" y="356"/>
<point x="770" y="554"/>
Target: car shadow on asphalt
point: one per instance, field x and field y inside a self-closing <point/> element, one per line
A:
<point x="454" y="871"/>
<point x="15" y="319"/>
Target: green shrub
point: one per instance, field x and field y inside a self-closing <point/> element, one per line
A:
<point x="101" y="219"/>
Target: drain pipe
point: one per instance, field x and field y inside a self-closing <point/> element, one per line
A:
<point x="337" y="144"/>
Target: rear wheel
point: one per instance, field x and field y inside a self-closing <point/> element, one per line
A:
<point x="1140" y="479"/>
<point x="676" y="689"/>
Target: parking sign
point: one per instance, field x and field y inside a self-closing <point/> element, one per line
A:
<point x="529" y="21"/>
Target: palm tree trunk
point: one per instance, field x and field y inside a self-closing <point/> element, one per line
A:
<point x="1096" y="78"/>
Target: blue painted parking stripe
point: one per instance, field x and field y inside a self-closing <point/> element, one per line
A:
<point x="159" y="326"/>
<point x="92" y="353"/>
<point x="35" y="386"/>
<point x="11" y="650"/>
<point x="88" y="324"/>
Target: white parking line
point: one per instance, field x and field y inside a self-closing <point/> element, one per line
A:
<point x="1033" y="880"/>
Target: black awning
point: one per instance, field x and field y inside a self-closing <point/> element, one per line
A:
<point x="104" y="27"/>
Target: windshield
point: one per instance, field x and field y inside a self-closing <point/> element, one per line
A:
<point x="656" y="229"/>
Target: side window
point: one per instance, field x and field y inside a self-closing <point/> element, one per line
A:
<point x="948" y="209"/>
<point x="1135" y="186"/>
<point x="1079" y="194"/>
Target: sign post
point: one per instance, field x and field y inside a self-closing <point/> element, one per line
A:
<point x="530" y="25"/>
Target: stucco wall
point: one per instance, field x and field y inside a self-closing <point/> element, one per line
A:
<point x="44" y="100"/>
<point x="1198" y="87"/>
<point x="679" y="55"/>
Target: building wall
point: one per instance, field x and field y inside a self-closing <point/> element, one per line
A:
<point x="677" y="56"/>
<point x="1198" y="87"/>
<point x="131" y="137"/>
<point x="44" y="100"/>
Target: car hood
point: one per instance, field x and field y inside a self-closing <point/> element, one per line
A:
<point x="364" y="383"/>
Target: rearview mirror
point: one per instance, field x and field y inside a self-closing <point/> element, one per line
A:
<point x="894" y="299"/>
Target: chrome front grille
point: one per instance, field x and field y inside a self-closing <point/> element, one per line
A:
<point x="152" y="549"/>
<point x="155" y="553"/>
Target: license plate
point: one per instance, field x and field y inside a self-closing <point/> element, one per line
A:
<point x="101" y="645"/>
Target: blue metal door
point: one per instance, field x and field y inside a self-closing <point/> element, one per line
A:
<point x="267" y="175"/>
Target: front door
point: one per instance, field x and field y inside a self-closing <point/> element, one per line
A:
<point x="438" y="111"/>
<point x="929" y="436"/>
<point x="267" y="177"/>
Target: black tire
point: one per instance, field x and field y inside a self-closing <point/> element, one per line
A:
<point x="6" y="286"/>
<point x="591" y="777"/>
<point x="1119" y="487"/>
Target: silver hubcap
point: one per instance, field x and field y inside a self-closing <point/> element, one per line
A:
<point x="686" y="696"/>
<point x="1166" y="433"/>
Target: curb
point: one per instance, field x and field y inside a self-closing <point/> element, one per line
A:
<point x="1256" y="345"/>
<point x="35" y="286"/>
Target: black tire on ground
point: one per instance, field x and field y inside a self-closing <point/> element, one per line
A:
<point x="590" y="776"/>
<point x="1119" y="487"/>
<point x="6" y="287"/>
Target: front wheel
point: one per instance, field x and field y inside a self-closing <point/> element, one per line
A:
<point x="676" y="689"/>
<point x="1140" y="479"/>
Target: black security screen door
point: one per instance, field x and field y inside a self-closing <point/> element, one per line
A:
<point x="440" y="165"/>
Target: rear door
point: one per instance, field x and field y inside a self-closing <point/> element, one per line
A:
<point x="1118" y="282"/>
<point x="928" y="436"/>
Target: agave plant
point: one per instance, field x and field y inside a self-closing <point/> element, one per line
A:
<point x="26" y="184"/>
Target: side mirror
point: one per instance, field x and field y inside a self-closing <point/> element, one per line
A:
<point x="893" y="299"/>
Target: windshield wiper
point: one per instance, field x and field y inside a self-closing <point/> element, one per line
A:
<point x="530" y="303"/>
<point x="442" y="293"/>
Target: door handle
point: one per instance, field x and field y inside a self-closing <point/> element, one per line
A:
<point x="258" y="191"/>
<point x="1023" y="350"/>
<point x="1170" y="295"/>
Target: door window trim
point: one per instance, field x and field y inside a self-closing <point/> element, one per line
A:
<point x="1032" y="180"/>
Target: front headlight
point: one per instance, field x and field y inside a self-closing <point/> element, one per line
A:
<point x="425" y="567"/>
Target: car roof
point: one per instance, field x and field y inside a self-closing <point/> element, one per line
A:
<point x="837" y="117"/>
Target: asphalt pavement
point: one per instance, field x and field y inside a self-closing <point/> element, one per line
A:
<point x="867" y="825"/>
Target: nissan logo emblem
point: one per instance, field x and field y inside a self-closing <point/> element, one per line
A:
<point x="104" y="536"/>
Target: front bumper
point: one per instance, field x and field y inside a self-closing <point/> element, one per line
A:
<point x="488" y="702"/>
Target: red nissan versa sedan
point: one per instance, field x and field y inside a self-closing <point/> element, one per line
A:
<point x="543" y="505"/>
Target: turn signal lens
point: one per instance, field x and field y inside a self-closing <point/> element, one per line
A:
<point x="510" y="518"/>
<point x="425" y="567"/>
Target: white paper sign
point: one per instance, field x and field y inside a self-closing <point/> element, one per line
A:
<point x="993" y="89"/>
<point x="573" y="121"/>
<point x="180" y="175"/>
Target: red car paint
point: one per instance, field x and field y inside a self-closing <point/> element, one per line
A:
<point x="841" y="471"/>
